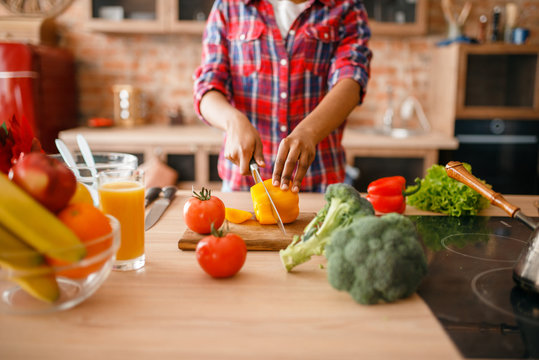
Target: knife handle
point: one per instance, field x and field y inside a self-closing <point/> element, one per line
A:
<point x="169" y="192"/>
<point x="151" y="194"/>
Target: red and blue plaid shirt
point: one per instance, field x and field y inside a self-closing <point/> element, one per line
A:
<point x="277" y="82"/>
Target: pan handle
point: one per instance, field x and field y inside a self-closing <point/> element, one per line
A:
<point x="457" y="171"/>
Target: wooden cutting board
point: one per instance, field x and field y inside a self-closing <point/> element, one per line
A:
<point x="255" y="235"/>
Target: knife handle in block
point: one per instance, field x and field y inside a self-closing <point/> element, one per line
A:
<point x="151" y="194"/>
<point x="457" y="171"/>
<point x="169" y="192"/>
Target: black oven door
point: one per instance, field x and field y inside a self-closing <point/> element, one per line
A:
<point x="503" y="153"/>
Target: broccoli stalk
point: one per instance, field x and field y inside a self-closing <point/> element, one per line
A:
<point x="343" y="205"/>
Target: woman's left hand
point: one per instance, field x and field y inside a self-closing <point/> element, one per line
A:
<point x="298" y="149"/>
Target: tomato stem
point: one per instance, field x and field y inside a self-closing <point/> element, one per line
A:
<point x="203" y="195"/>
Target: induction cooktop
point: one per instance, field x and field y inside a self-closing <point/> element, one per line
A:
<point x="469" y="285"/>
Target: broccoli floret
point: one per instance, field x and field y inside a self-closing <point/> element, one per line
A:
<point x="343" y="204"/>
<point x="376" y="259"/>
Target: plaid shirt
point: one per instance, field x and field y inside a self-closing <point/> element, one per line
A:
<point x="277" y="82"/>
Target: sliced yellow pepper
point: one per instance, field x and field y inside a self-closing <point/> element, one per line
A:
<point x="286" y="202"/>
<point x="237" y="216"/>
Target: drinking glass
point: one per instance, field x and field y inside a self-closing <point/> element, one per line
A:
<point x="121" y="194"/>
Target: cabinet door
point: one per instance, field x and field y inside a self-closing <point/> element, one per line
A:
<point x="397" y="17"/>
<point x="138" y="16"/>
<point x="189" y="16"/>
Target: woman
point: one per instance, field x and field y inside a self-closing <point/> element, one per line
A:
<point x="280" y="77"/>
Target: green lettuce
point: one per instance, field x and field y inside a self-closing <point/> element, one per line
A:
<point x="442" y="194"/>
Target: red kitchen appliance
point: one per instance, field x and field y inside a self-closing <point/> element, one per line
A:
<point x="38" y="82"/>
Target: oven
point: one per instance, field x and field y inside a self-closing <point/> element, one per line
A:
<point x="504" y="153"/>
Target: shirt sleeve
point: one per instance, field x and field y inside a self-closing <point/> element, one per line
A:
<point x="352" y="57"/>
<point x="214" y="70"/>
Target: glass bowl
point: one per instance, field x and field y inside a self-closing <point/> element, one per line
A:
<point x="56" y="287"/>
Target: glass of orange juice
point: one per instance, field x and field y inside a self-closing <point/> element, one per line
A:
<point x="121" y="194"/>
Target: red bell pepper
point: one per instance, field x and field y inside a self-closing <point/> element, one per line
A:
<point x="388" y="194"/>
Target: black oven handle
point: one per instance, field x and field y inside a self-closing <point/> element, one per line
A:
<point x="497" y="139"/>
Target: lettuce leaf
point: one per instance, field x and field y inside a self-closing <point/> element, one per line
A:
<point x="442" y="194"/>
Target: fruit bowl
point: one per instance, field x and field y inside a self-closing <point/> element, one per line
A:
<point x="43" y="287"/>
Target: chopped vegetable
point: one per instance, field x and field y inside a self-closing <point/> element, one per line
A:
<point x="388" y="194"/>
<point x="442" y="194"/>
<point x="237" y="216"/>
<point x="343" y="204"/>
<point x="286" y="202"/>
<point x="376" y="259"/>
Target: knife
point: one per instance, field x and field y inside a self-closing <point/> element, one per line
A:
<point x="159" y="207"/>
<point x="253" y="166"/>
<point x="151" y="195"/>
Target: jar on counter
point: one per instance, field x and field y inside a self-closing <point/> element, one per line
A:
<point x="129" y="106"/>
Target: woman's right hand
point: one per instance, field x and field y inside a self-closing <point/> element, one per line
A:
<point x="242" y="143"/>
<point x="242" y="139"/>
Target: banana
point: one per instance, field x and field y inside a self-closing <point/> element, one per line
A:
<point x="18" y="258"/>
<point x="42" y="230"/>
<point x="16" y="254"/>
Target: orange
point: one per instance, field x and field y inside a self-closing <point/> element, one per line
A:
<point x="89" y="224"/>
<point x="81" y="195"/>
<point x="237" y="216"/>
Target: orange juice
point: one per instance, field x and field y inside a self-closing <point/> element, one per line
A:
<point x="125" y="201"/>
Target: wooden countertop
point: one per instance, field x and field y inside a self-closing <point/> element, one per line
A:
<point x="172" y="310"/>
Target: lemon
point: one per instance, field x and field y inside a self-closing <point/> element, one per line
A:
<point x="82" y="195"/>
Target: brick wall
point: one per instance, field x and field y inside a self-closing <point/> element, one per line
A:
<point x="162" y="65"/>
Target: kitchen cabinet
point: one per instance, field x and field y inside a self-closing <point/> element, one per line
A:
<point x="192" y="150"/>
<point x="147" y="16"/>
<point x="388" y="17"/>
<point x="397" y="17"/>
<point x="484" y="82"/>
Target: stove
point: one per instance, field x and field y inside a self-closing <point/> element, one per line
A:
<point x="469" y="285"/>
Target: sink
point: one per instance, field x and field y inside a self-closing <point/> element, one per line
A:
<point x="393" y="132"/>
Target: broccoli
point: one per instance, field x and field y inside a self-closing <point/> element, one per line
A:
<point x="376" y="259"/>
<point x="343" y="204"/>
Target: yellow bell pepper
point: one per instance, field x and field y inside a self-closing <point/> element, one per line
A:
<point x="286" y="202"/>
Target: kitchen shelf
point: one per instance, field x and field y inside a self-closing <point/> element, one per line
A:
<point x="148" y="16"/>
<point x="397" y="18"/>
<point x="182" y="16"/>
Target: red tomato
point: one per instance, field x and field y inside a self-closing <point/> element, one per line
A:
<point x="202" y="210"/>
<point x="221" y="255"/>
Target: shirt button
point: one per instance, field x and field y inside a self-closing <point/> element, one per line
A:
<point x="292" y="32"/>
<point x="283" y="95"/>
<point x="242" y="37"/>
<point x="326" y="35"/>
<point x="283" y="62"/>
<point x="283" y="128"/>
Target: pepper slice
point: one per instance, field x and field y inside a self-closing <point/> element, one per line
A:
<point x="388" y="194"/>
<point x="286" y="202"/>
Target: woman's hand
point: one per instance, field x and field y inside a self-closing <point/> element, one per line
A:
<point x="299" y="149"/>
<point x="243" y="143"/>
<point x="242" y="139"/>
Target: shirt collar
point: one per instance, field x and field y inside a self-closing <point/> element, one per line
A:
<point x="325" y="2"/>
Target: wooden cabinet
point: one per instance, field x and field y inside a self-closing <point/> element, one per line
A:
<point x="484" y="82"/>
<point x="147" y="16"/>
<point x="397" y="17"/>
<point x="388" y="17"/>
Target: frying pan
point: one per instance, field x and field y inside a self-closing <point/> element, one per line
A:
<point x="526" y="271"/>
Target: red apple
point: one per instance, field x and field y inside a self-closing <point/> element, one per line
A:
<point x="47" y="180"/>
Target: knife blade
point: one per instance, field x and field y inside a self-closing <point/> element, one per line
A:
<point x="151" y="195"/>
<point x="159" y="207"/>
<point x="255" y="172"/>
